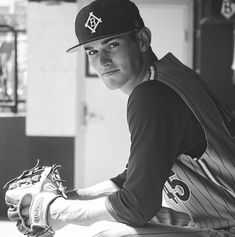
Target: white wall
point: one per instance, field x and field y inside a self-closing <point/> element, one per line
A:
<point x="171" y="24"/>
<point x="51" y="91"/>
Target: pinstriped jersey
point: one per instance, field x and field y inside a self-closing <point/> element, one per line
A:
<point x="202" y="187"/>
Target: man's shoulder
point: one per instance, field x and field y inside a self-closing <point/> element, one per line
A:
<point x="153" y="89"/>
<point x="155" y="96"/>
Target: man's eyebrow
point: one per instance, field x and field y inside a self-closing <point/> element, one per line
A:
<point x="88" y="48"/>
<point x="103" y="43"/>
<point x="109" y="39"/>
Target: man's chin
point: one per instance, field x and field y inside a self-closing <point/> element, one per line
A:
<point x="111" y="86"/>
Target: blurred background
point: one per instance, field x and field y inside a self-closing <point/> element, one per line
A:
<point x="55" y="109"/>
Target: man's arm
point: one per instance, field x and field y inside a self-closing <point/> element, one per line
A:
<point x="84" y="207"/>
<point x="62" y="211"/>
<point x="157" y="119"/>
<point x="156" y="134"/>
<point x="102" y="189"/>
<point x="80" y="212"/>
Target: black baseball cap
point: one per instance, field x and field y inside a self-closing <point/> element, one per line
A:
<point x="106" y="18"/>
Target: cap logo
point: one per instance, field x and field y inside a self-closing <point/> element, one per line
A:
<point x="92" y="22"/>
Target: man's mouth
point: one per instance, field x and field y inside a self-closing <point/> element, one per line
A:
<point x="109" y="73"/>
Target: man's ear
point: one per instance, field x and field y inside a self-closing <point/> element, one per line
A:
<point x="144" y="36"/>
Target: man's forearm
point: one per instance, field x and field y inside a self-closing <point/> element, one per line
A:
<point x="83" y="206"/>
<point x="102" y="189"/>
<point x="80" y="212"/>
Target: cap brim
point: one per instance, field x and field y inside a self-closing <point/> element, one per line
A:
<point x="75" y="48"/>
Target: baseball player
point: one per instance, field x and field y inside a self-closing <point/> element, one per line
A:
<point x="182" y="139"/>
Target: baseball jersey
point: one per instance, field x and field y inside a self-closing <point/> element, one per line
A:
<point x="161" y="127"/>
<point x="203" y="187"/>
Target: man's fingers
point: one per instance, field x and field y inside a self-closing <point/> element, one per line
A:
<point x="27" y="222"/>
<point x="24" y="205"/>
<point x="20" y="211"/>
<point x="12" y="213"/>
<point x="21" y="228"/>
<point x="25" y="212"/>
<point x="26" y="200"/>
<point x="11" y="200"/>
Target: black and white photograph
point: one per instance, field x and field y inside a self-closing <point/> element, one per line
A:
<point x="117" y="118"/>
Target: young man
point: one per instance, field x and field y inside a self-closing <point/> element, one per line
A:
<point x="182" y="144"/>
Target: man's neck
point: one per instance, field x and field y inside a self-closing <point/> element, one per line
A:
<point x="147" y="62"/>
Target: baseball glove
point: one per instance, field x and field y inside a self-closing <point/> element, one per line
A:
<point x="39" y="186"/>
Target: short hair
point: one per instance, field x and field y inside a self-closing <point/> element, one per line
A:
<point x="133" y="35"/>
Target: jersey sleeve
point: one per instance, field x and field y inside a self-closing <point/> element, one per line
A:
<point x="120" y="179"/>
<point x="156" y="118"/>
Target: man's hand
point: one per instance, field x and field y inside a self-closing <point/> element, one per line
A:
<point x="29" y="197"/>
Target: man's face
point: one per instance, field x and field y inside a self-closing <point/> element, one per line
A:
<point x="117" y="60"/>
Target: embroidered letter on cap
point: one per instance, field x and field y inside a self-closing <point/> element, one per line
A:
<point x="92" y="22"/>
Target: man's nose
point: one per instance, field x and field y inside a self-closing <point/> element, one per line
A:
<point x="104" y="59"/>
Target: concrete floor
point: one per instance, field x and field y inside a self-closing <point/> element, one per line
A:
<point x="8" y="229"/>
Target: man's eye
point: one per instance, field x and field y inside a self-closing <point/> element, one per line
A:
<point x="113" y="45"/>
<point x="91" y="52"/>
